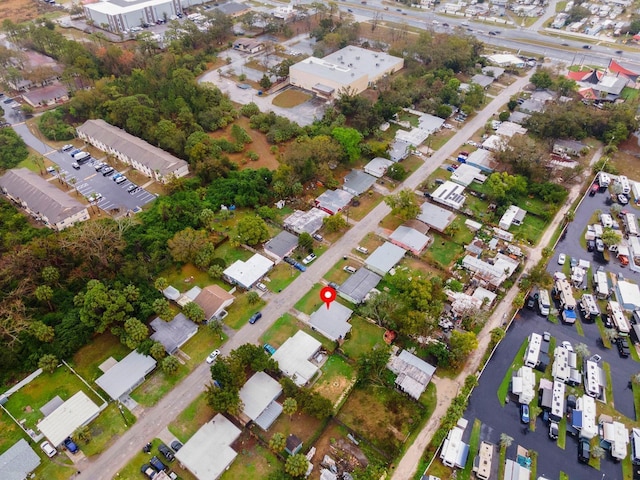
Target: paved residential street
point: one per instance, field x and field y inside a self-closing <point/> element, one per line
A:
<point x="154" y="420"/>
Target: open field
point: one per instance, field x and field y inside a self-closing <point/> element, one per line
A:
<point x="290" y="98"/>
<point x="106" y="429"/>
<point x="87" y="360"/>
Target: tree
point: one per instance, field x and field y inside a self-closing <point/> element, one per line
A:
<point x="83" y="433"/>
<point x="350" y="139"/>
<point x="100" y="307"/>
<point x="215" y="271"/>
<point x="610" y="237"/>
<point x="193" y="312"/>
<point x="253" y="297"/>
<point x="611" y="334"/>
<point x="504" y="116"/>
<point x="265" y="82"/>
<point x="44" y="294"/>
<point x="296" y="465"/>
<point x="380" y="307"/>
<point x="42" y="331"/>
<point x="290" y="406"/>
<point x="277" y="443"/>
<point x="518" y="300"/>
<point x="502" y="185"/>
<point x="162" y="308"/>
<point x="582" y="350"/>
<point x="133" y="333"/>
<point x="185" y="244"/>
<point x="48" y="363"/>
<point x="170" y="365"/>
<point x="372" y="366"/>
<point x="225" y="399"/>
<point x="13" y="150"/>
<point x="505" y="440"/>
<point x="305" y="242"/>
<point x="396" y="172"/>
<point x="252" y="230"/>
<point x="161" y="283"/>
<point x="334" y="223"/>
<point x="597" y="451"/>
<point x="215" y="327"/>
<point x="50" y="275"/>
<point x="403" y="204"/>
<point x="462" y="344"/>
<point x="157" y="351"/>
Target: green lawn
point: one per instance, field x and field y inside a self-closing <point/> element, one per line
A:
<point x="337" y="274"/>
<point x="601" y="328"/>
<point x="609" y="386"/>
<point x="281" y="276"/>
<point x="11" y="432"/>
<point x="337" y="377"/>
<point x="531" y="229"/>
<point x="474" y="445"/>
<point x="191" y="419"/>
<point x="629" y="94"/>
<point x="368" y="202"/>
<point x="58" y="468"/>
<point x="579" y="327"/>
<point x="287" y="326"/>
<point x="562" y="433"/>
<point x="157" y="385"/>
<point x="503" y="389"/>
<point x="132" y="469"/>
<point x="364" y="336"/>
<point x="201" y="345"/>
<point x="106" y="429"/>
<point x="241" y="310"/>
<point x="462" y="235"/>
<point x="310" y="302"/>
<point x="25" y="404"/>
<point x="253" y="463"/>
<point x="87" y="360"/>
<point x="187" y="276"/>
<point x="443" y="251"/>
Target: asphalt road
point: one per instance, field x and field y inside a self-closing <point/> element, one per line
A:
<point x="154" y="420"/>
<point x="87" y="180"/>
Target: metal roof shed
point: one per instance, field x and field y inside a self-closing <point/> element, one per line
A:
<point x="68" y="417"/>
<point x="332" y="322"/>
<point x="384" y="258"/>
<point x="208" y="453"/>
<point x="126" y="375"/>
<point x="356" y="288"/>
<point x="18" y="462"/>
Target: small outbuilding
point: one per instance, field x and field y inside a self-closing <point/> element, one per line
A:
<point x="172" y="335"/>
<point x="294" y="357"/>
<point x="294" y="444"/>
<point x="247" y="274"/>
<point x="281" y="245"/>
<point x="123" y="377"/>
<point x="384" y="258"/>
<point x="332" y="322"/>
<point x="18" y="461"/>
<point x="76" y="412"/>
<point x="208" y="453"/>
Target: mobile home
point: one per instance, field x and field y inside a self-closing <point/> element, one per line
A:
<point x="616" y="314"/>
<point x="589" y="307"/>
<point x="532" y="354"/>
<point x="544" y="304"/>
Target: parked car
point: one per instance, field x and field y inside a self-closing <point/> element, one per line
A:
<point x="74" y="151"/>
<point x="362" y="250"/>
<point x="594" y="189"/>
<point x="567" y="346"/>
<point x="561" y="259"/>
<point x="531" y="302"/>
<point x="51" y="170"/>
<point x="524" y="413"/>
<point x="309" y="258"/>
<point x="269" y="349"/>
<point x="157" y="464"/>
<point x="553" y="431"/>
<point x="66" y="148"/>
<point x="574" y="262"/>
<point x="48" y="449"/>
<point x="70" y="445"/>
<point x="591" y="245"/>
<point x="261" y="286"/>
<point x="166" y="452"/>
<point x="295" y="264"/>
<point x="599" y="245"/>
<point x="131" y="187"/>
<point x="94" y="197"/>
<point x="623" y="199"/>
<point x="75" y="166"/>
<point x="623" y="347"/>
<point x="584" y="450"/>
<point x="107" y="171"/>
<point x="121" y="179"/>
<point x="317" y="237"/>
<point x="255" y="317"/>
<point x="148" y="471"/>
<point x="176" y="445"/>
<point x="213" y="356"/>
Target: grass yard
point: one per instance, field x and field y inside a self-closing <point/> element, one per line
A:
<point x="191" y="419"/>
<point x="367" y="203"/>
<point x="608" y="389"/>
<point x="287" y="326"/>
<point x="25" y="404"/>
<point x="503" y="389"/>
<point x="300" y="424"/>
<point x="391" y="222"/>
<point x="443" y="251"/>
<point x="87" y="360"/>
<point x="579" y="327"/>
<point x="201" y="345"/>
<point x="412" y="163"/>
<point x="58" y="468"/>
<point x="387" y="420"/>
<point x="562" y="433"/>
<point x="531" y="229"/>
<point x="132" y="470"/>
<point x="157" y="385"/>
<point x="106" y="429"/>
<point x="281" y="276"/>
<point x="241" y="310"/>
<point x="474" y="446"/>
<point x="364" y="336"/>
<point x="337" y="274"/>
<point x="629" y="94"/>
<point x="28" y="163"/>
<point x="290" y="98"/>
<point x="601" y="328"/>
<point x="336" y="379"/>
<point x="253" y="463"/>
<point x="11" y="432"/>
<point x="462" y="235"/>
<point x="187" y="276"/>
<point x="310" y="302"/>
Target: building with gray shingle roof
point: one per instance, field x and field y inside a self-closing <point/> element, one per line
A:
<point x="172" y="335"/>
<point x="384" y="258"/>
<point x="309" y="221"/>
<point x="356" y="288"/>
<point x="332" y="322"/>
<point x="42" y="200"/>
<point x="357" y="182"/>
<point x="281" y="245"/>
<point x="19" y="461"/>
<point x="152" y="161"/>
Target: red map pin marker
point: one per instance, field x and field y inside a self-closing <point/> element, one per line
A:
<point x="328" y="295"/>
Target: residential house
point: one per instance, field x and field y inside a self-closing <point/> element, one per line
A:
<point x="172" y="335"/>
<point x="332" y="321"/>
<point x="466" y="174"/>
<point x="484" y="81"/>
<point x="412" y="373"/>
<point x="333" y="201"/>
<point x="47" y="95"/>
<point x="258" y="396"/>
<point x="121" y="378"/>
<point x="213" y="299"/>
<point x="513" y="216"/>
<point x="449" y="194"/>
<point x="358" y="182"/>
<point x="409" y="239"/>
<point x="67" y="417"/>
<point x="248" y="45"/>
<point x="151" y="161"/>
<point x="378" y="167"/>
<point x="42" y="200"/>
<point x="399" y="150"/>
<point x="568" y="147"/>
<point x="436" y="217"/>
<point x="281" y="245"/>
<point x="384" y="258"/>
<point x="18" y="461"/>
<point x="247" y="274"/>
<point x="296" y="357"/>
<point x="358" y="286"/>
<point x="310" y="221"/>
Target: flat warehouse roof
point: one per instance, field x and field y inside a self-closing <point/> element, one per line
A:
<point x="67" y="418"/>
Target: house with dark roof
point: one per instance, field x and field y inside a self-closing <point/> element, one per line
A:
<point x="568" y="147"/>
<point x="248" y="45"/>
<point x="42" y="200"/>
<point x="47" y="95"/>
<point x="281" y="245"/>
<point x="18" y="461"/>
<point x="213" y="299"/>
<point x="233" y="9"/>
<point x="151" y="161"/>
<point x="172" y="335"/>
<point x="413" y="373"/>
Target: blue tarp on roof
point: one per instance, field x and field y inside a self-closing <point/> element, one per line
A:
<point x="576" y="418"/>
<point x="570" y="315"/>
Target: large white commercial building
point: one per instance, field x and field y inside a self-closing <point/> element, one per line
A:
<point x="351" y="68"/>
<point x="122" y="15"/>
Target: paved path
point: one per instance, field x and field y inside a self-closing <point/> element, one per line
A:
<point x="153" y="421"/>
<point x="448" y="389"/>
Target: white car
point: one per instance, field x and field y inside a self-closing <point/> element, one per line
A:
<point x="561" y="259"/>
<point x="48" y="449"/>
<point x="309" y="258"/>
<point x="213" y="356"/>
<point x="567" y="346"/>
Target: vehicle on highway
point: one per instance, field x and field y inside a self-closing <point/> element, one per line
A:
<point x="309" y="258"/>
<point x="48" y="449"/>
<point x="166" y="452"/>
<point x="213" y="356"/>
<point x="565" y="44"/>
<point x="587" y="47"/>
<point x="255" y="317"/>
<point x="70" y="445"/>
<point x="619" y="52"/>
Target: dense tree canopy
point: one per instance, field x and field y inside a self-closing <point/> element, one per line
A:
<point x="12" y="149"/>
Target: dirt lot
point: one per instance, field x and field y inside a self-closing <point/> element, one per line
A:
<point x="334" y="442"/>
<point x="21" y="10"/>
<point x="627" y="159"/>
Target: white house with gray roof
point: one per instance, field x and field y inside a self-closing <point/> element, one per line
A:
<point x="123" y="377"/>
<point x="151" y="161"/>
<point x="332" y="322"/>
<point x="449" y="194"/>
<point x="42" y="200"/>
<point x="350" y="68"/>
<point x="384" y="258"/>
<point x="258" y="397"/>
<point x="357" y="182"/>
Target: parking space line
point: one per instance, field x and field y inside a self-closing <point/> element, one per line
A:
<point x="91" y="176"/>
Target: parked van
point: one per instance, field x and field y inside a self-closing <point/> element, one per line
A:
<point x="81" y="157"/>
<point x="606" y="220"/>
<point x="544" y="304"/>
